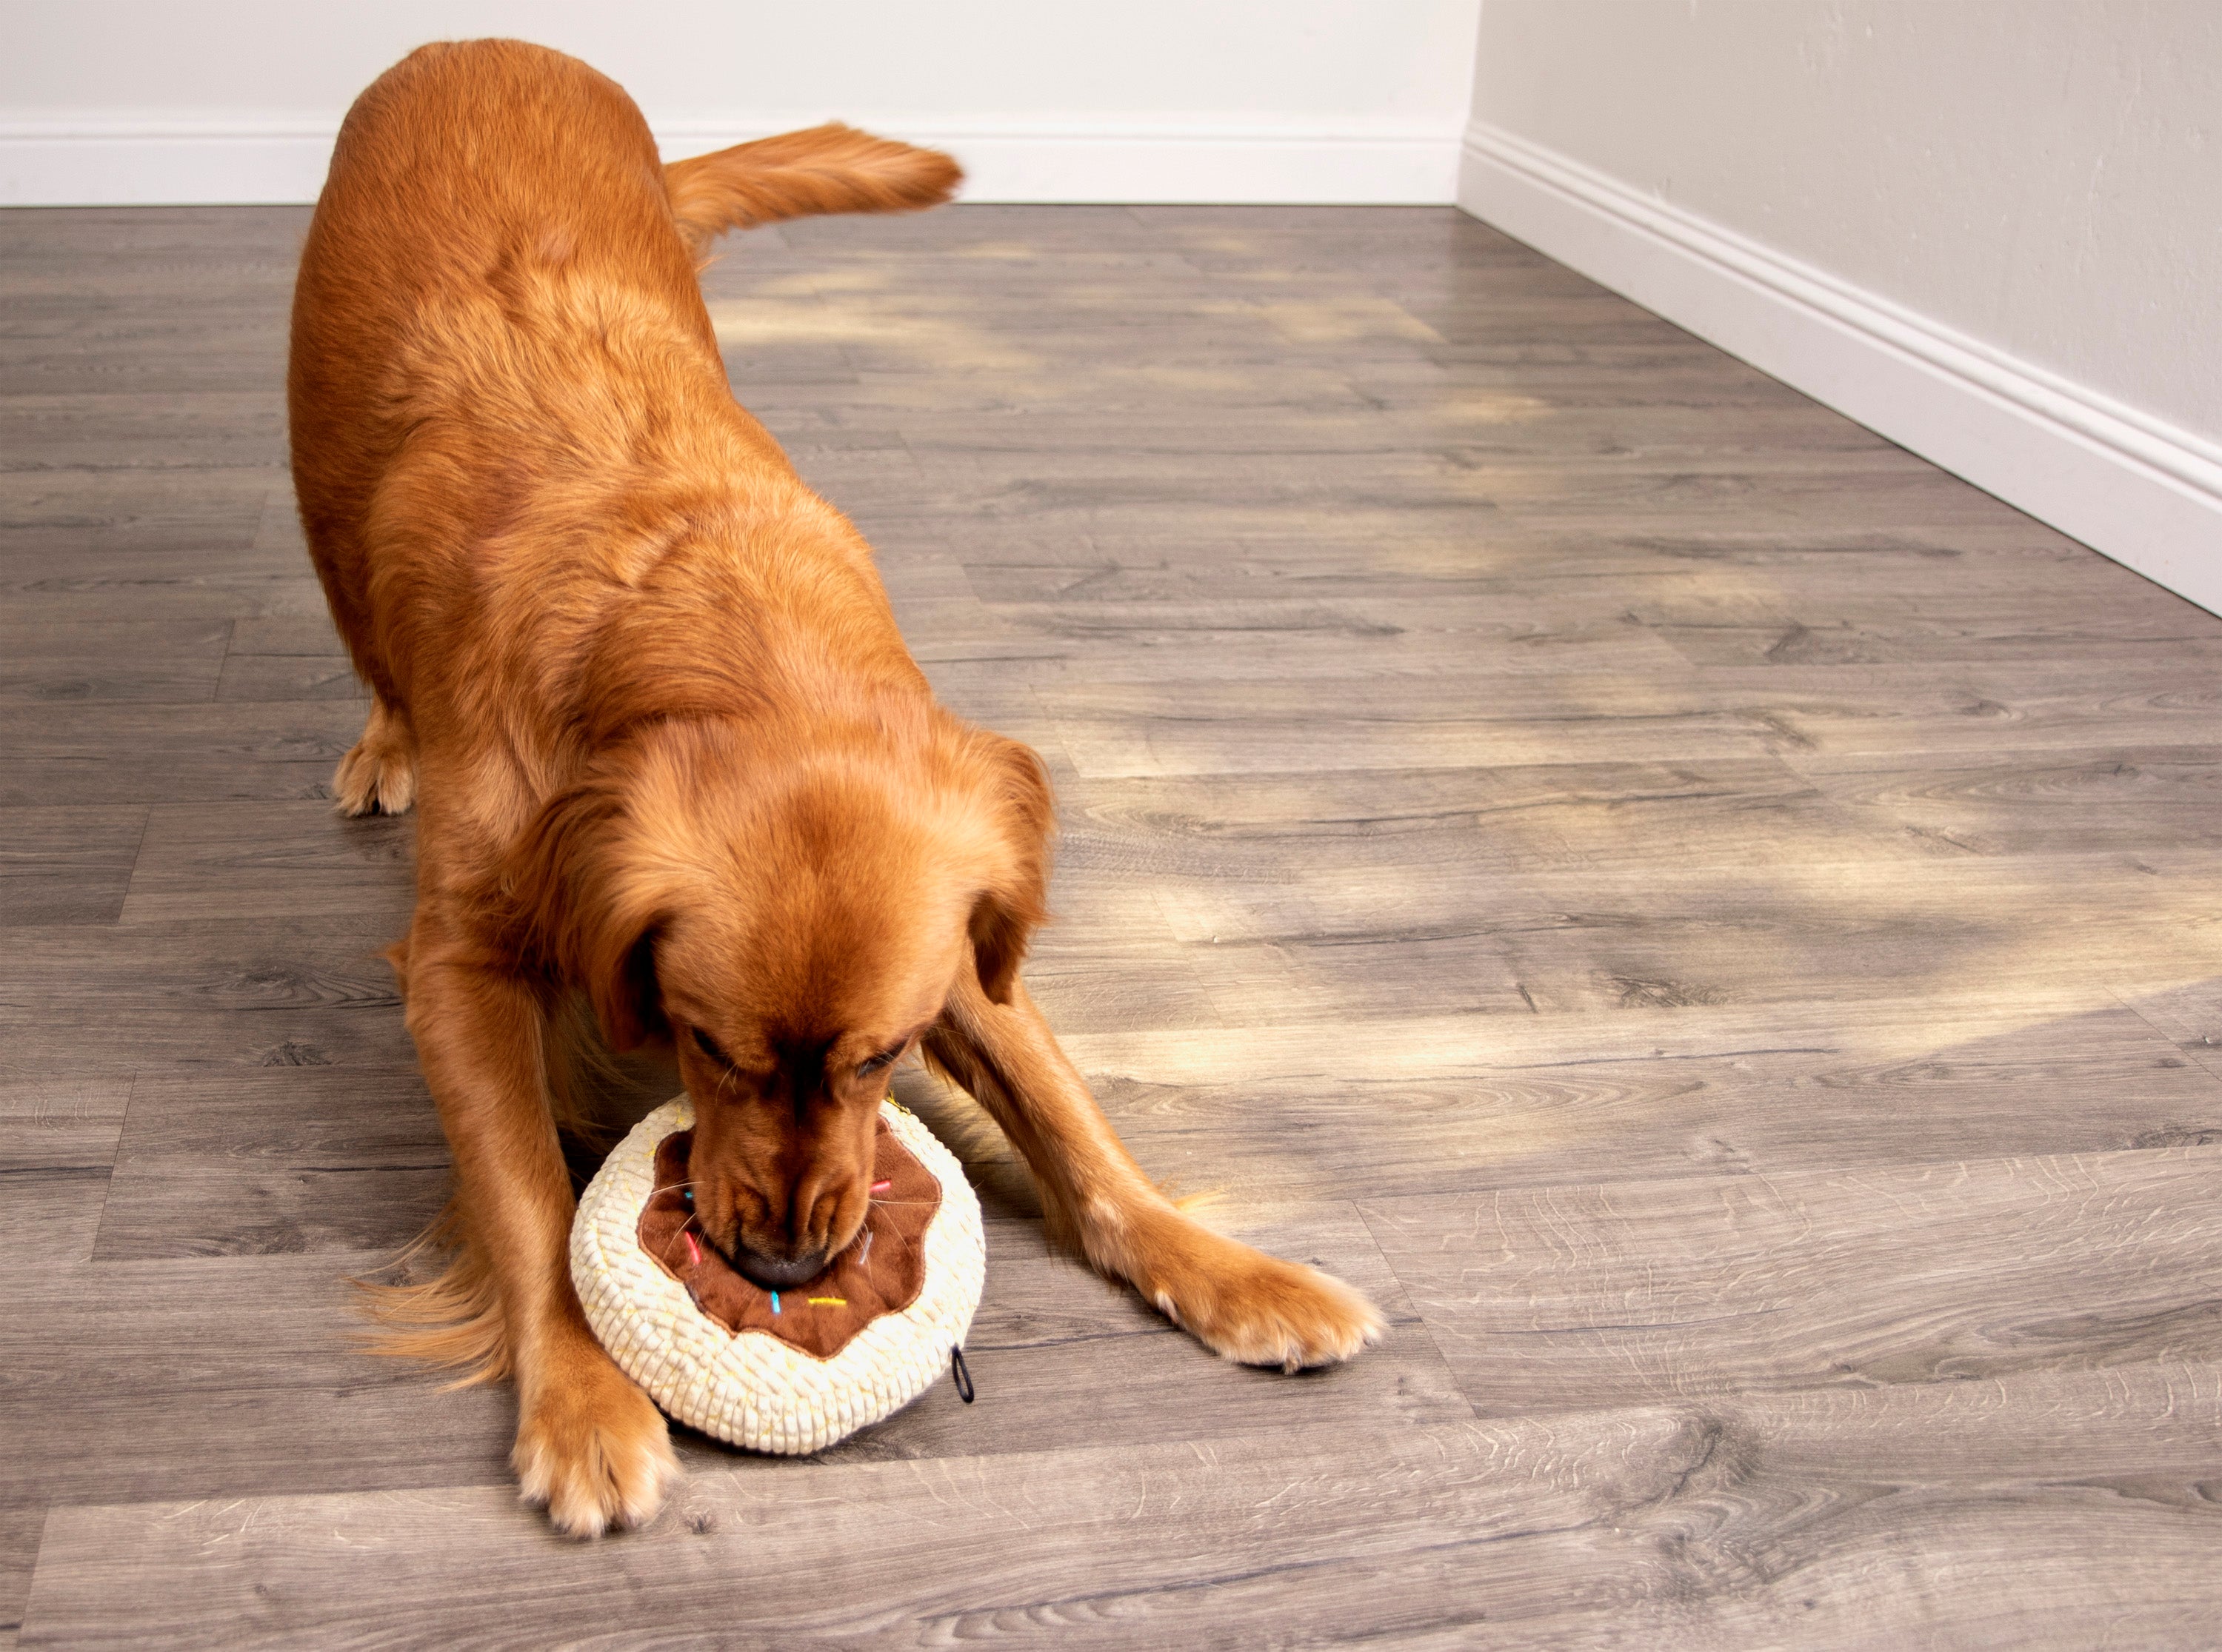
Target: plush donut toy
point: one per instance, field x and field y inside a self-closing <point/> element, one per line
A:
<point x="785" y="1371"/>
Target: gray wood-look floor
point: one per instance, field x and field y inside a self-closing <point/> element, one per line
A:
<point x="1712" y="919"/>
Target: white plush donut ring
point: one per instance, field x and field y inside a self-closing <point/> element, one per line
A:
<point x="749" y="1387"/>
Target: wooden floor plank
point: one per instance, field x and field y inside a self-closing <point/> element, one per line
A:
<point x="1533" y="818"/>
<point x="60" y="1122"/>
<point x="1643" y="1293"/>
<point x="278" y="1161"/>
<point x="290" y="676"/>
<point x="126" y="430"/>
<point x="187" y="1402"/>
<point x="2051" y="628"/>
<point x="21" y="1524"/>
<point x="270" y="859"/>
<point x="1050" y="1333"/>
<point x="1376" y="1108"/>
<point x="1709" y="918"/>
<point x="57" y="1138"/>
<point x="1281" y="642"/>
<point x="210" y="1375"/>
<point x="1102" y="978"/>
<point x="1648" y="579"/>
<point x="2124" y="798"/>
<point x="67" y="865"/>
<point x="1499" y="719"/>
<point x="1582" y="939"/>
<point x="251" y="992"/>
<point x="194" y="753"/>
<point x="2190" y="1014"/>
<point x="105" y="660"/>
<point x="1758" y="1521"/>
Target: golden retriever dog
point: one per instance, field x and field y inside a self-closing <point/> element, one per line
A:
<point x="669" y="754"/>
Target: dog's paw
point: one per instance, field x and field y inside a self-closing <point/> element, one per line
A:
<point x="378" y="774"/>
<point x="1255" y="1308"/>
<point x="592" y="1450"/>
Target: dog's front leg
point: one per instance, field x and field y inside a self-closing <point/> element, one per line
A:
<point x="590" y="1444"/>
<point x="1250" y="1307"/>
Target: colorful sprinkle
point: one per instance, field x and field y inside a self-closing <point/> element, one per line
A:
<point x="829" y="1302"/>
<point x="774" y="1302"/>
<point x="693" y="1250"/>
<point x="881" y="1186"/>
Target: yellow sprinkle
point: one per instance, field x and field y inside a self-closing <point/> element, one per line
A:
<point x="831" y="1302"/>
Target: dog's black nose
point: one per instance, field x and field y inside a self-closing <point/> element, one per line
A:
<point x="774" y="1273"/>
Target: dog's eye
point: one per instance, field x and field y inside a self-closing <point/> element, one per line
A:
<point x="884" y="1060"/>
<point x="708" y="1046"/>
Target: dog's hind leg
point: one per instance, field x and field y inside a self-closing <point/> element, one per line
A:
<point x="378" y="775"/>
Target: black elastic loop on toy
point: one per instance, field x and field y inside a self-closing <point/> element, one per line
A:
<point x="963" y="1377"/>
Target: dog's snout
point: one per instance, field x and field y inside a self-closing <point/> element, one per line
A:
<point x="779" y="1256"/>
<point x="779" y="1225"/>
<point x="779" y="1274"/>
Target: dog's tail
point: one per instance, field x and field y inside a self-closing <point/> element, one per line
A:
<point x="451" y="1320"/>
<point x="830" y="168"/>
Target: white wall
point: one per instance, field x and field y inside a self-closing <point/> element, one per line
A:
<point x="1990" y="229"/>
<point x="122" y="100"/>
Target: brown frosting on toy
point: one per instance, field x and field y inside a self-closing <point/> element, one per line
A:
<point x="882" y="1270"/>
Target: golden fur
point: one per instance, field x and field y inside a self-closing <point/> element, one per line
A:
<point x="671" y="754"/>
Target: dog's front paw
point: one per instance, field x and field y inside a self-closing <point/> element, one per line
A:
<point x="1255" y="1308"/>
<point x="593" y="1450"/>
<point x="378" y="774"/>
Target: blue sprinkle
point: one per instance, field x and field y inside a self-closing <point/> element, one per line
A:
<point x="774" y="1302"/>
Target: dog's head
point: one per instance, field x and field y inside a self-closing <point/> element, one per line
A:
<point x="791" y="914"/>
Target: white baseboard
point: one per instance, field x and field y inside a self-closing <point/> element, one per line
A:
<point x="1256" y="168"/>
<point x="120" y="163"/>
<point x="245" y="163"/>
<point x="2143" y="493"/>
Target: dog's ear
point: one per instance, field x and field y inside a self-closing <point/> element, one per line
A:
<point x="1016" y="898"/>
<point x="564" y="908"/>
<point x="626" y="998"/>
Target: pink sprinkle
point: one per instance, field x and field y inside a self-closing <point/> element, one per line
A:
<point x="882" y="1186"/>
<point x="693" y="1250"/>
